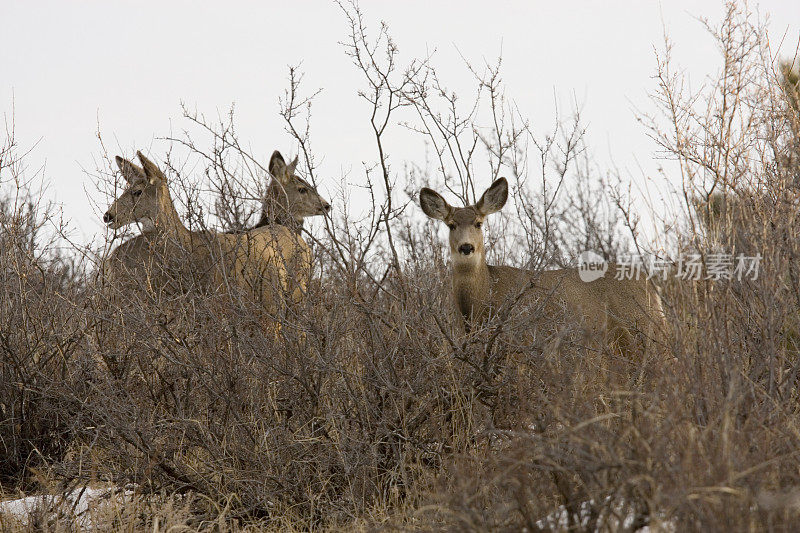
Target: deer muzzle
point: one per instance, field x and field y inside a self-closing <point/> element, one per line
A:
<point x="466" y="249"/>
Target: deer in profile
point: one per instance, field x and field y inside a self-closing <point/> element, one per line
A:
<point x="289" y="199"/>
<point x="259" y="261"/>
<point x="617" y="310"/>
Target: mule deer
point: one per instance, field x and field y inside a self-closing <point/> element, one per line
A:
<point x="289" y="198"/>
<point x="618" y="310"/>
<point x="259" y="261"/>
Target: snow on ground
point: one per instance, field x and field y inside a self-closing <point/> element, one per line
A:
<point x="620" y="518"/>
<point x="79" y="505"/>
<point x="85" y="506"/>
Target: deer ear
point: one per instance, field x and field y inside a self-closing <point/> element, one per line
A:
<point x="277" y="167"/>
<point x="132" y="173"/>
<point x="494" y="198"/>
<point x="433" y="204"/>
<point x="151" y="170"/>
<point x="292" y="168"/>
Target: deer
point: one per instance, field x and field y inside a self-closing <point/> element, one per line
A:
<point x="289" y="199"/>
<point x="259" y="261"/>
<point x="619" y="311"/>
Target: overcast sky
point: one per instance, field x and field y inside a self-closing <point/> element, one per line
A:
<point x="68" y="67"/>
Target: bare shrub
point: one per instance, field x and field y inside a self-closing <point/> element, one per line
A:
<point x="710" y="443"/>
<point x="41" y="327"/>
<point x="368" y="405"/>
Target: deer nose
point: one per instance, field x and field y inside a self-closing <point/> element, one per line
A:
<point x="326" y="207"/>
<point x="466" y="249"/>
<point x="108" y="218"/>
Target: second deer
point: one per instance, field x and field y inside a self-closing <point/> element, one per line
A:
<point x="623" y="313"/>
<point x="289" y="198"/>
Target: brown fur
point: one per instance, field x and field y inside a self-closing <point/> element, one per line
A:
<point x="617" y="311"/>
<point x="259" y="262"/>
<point x="289" y="198"/>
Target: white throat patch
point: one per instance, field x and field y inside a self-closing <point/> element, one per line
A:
<point x="146" y="224"/>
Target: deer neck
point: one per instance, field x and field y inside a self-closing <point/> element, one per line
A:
<point x="471" y="285"/>
<point x="276" y="211"/>
<point x="168" y="224"/>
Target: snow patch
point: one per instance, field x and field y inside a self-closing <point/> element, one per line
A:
<point x="620" y="517"/>
<point x="79" y="505"/>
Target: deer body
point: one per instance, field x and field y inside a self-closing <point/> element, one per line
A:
<point x="259" y="262"/>
<point x="616" y="311"/>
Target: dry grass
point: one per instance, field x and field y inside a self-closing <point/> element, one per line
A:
<point x="370" y="408"/>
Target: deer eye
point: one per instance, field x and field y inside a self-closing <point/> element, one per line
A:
<point x="478" y="225"/>
<point x="137" y="193"/>
<point x="451" y="226"/>
<point x="302" y="190"/>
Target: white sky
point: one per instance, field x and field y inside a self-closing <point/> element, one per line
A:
<point x="125" y="65"/>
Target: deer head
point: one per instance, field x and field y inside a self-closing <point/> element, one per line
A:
<point x="465" y="223"/>
<point x="143" y="199"/>
<point x="291" y="195"/>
